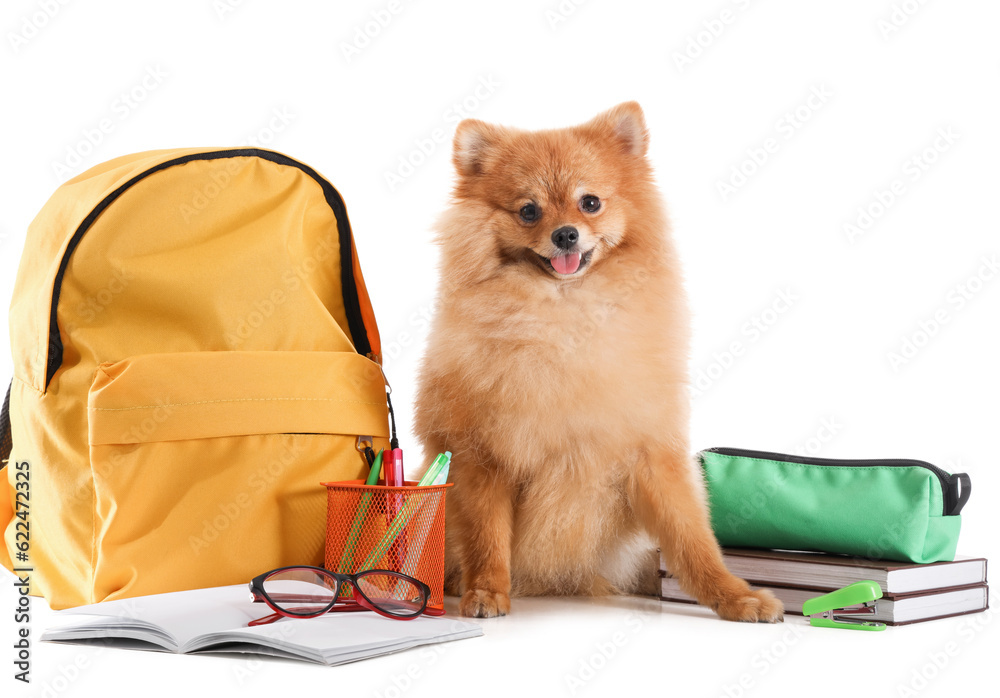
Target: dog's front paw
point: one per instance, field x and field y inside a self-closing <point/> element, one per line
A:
<point x="479" y="603"/>
<point x="750" y="606"/>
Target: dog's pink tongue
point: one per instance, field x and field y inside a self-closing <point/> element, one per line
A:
<point x="567" y="263"/>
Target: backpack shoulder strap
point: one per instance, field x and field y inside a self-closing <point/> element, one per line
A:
<point x="6" y="442"/>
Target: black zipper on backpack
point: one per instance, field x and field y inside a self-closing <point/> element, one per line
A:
<point x="953" y="501"/>
<point x="352" y="306"/>
<point x="6" y="440"/>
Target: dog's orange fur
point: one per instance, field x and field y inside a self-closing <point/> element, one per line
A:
<point x="564" y="399"/>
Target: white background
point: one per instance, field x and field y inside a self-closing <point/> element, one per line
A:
<point x="820" y="379"/>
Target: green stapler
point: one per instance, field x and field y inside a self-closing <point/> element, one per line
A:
<point x="845" y="608"/>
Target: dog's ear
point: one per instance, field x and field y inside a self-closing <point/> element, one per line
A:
<point x="474" y="139"/>
<point x="626" y="125"/>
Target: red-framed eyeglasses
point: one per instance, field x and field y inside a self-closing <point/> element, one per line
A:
<point x="306" y="592"/>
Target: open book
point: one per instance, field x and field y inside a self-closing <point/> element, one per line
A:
<point x="214" y="620"/>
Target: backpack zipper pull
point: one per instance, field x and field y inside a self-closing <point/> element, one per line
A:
<point x="364" y="447"/>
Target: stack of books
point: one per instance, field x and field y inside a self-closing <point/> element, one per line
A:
<point x="911" y="593"/>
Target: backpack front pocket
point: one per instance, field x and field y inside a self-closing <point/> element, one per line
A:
<point x="207" y="465"/>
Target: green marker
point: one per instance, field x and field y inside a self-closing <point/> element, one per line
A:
<point x="432" y="472"/>
<point x="376" y="469"/>
<point x="347" y="557"/>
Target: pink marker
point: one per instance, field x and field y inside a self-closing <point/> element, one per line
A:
<point x="394" y="478"/>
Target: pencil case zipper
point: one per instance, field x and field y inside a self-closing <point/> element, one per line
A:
<point x="954" y="500"/>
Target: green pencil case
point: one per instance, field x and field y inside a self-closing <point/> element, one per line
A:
<point x="878" y="509"/>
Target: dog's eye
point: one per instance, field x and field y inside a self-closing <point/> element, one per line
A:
<point x="530" y="213"/>
<point x="590" y="204"/>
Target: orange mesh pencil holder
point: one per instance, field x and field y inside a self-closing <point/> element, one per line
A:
<point x="389" y="528"/>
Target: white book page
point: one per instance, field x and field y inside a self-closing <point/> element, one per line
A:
<point x="335" y="633"/>
<point x="201" y="618"/>
<point x="183" y="615"/>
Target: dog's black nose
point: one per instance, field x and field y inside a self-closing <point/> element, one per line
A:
<point x="565" y="237"/>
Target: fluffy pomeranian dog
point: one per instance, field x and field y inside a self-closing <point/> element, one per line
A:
<point x="556" y="373"/>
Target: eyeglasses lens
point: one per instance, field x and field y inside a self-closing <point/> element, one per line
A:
<point x="300" y="591"/>
<point x="394" y="595"/>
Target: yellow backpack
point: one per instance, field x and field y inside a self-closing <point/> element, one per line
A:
<point x="194" y="352"/>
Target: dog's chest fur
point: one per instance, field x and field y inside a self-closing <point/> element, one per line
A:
<point x="570" y="374"/>
<point x="564" y="404"/>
